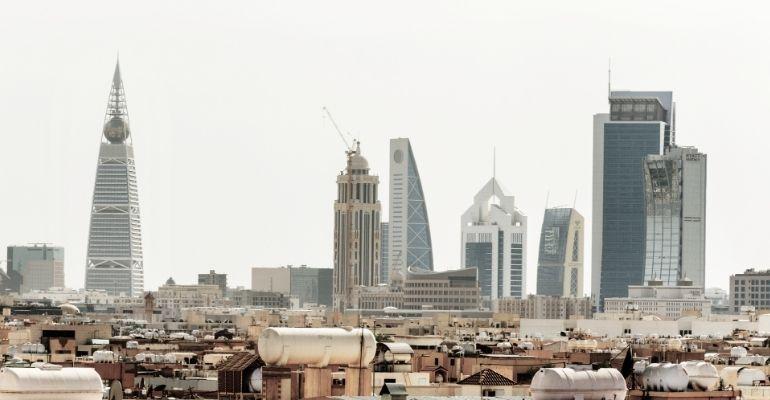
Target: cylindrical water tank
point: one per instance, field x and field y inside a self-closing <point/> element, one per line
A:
<point x="132" y="344"/>
<point x="703" y="376"/>
<point x="50" y="382"/>
<point x="738" y="352"/>
<point x="568" y="384"/>
<point x="255" y="381"/>
<point x="639" y="366"/>
<point x="665" y="378"/>
<point x="39" y="348"/>
<point x="675" y="344"/>
<point x="750" y="376"/>
<point x="104" y="356"/>
<point x="317" y="347"/>
<point x="526" y="345"/>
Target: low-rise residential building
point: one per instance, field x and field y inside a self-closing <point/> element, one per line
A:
<point x="173" y="298"/>
<point x="260" y="299"/>
<point x="666" y="302"/>
<point x="546" y="307"/>
<point x="421" y="289"/>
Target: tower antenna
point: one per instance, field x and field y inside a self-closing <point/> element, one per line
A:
<point x="609" y="77"/>
<point x="339" y="132"/>
<point x="494" y="169"/>
<point x="574" y="201"/>
<point x="547" y="197"/>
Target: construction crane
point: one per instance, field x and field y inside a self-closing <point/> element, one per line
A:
<point x="339" y="131"/>
<point x="347" y="255"/>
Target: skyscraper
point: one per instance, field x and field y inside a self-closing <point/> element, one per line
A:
<point x="560" y="262"/>
<point x="639" y="124"/>
<point x="409" y="230"/>
<point x="356" y="230"/>
<point x="675" y="195"/>
<point x="36" y="267"/>
<point x="384" y="253"/>
<point x="494" y="236"/>
<point x="114" y="260"/>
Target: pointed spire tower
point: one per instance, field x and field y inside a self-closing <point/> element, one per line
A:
<point x="114" y="261"/>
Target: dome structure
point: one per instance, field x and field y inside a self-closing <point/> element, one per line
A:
<point x="116" y="130"/>
<point x="357" y="164"/>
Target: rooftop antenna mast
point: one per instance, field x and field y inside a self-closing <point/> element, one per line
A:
<point x="609" y="77"/>
<point x="494" y="169"/>
<point x="574" y="201"/>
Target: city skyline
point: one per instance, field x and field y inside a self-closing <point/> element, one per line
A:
<point x="207" y="150"/>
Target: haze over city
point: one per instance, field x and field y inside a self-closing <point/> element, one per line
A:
<point x="236" y="163"/>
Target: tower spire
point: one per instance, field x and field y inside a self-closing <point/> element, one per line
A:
<point x="116" y="128"/>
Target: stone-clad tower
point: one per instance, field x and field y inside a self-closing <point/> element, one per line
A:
<point x="356" y="230"/>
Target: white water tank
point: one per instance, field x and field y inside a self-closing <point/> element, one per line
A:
<point x="751" y="376"/>
<point x="665" y="378"/>
<point x="703" y="376"/>
<point x="738" y="352"/>
<point x="132" y="344"/>
<point x="316" y="347"/>
<point x="639" y="366"/>
<point x="526" y="346"/>
<point x="675" y="344"/>
<point x="255" y="381"/>
<point x="104" y="356"/>
<point x="50" y="382"/>
<point x="568" y="384"/>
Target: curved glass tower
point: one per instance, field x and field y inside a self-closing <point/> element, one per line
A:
<point x="114" y="261"/>
<point x="409" y="230"/>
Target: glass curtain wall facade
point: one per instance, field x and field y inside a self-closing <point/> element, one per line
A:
<point x="37" y="267"/>
<point x="675" y="194"/>
<point x="560" y="259"/>
<point x="409" y="229"/>
<point x="638" y="124"/>
<point x="115" y="261"/>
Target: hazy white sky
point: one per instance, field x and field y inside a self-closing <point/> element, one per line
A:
<point x="237" y="166"/>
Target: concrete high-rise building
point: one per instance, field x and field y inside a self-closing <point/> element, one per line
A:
<point x="271" y="279"/>
<point x="748" y="291"/>
<point x="560" y="260"/>
<point x="384" y="252"/>
<point x="114" y="258"/>
<point x="675" y="194"/>
<point x="36" y="267"/>
<point x="639" y="124"/>
<point x="213" y="278"/>
<point x="356" y="229"/>
<point x="308" y="285"/>
<point x="494" y="237"/>
<point x="409" y="231"/>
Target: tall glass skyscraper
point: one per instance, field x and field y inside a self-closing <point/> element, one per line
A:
<point x="675" y="194"/>
<point x="560" y="260"/>
<point x="639" y="124"/>
<point x="114" y="260"/>
<point x="409" y="230"/>
<point x="494" y="235"/>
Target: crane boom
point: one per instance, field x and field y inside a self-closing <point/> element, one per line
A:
<point x="339" y="132"/>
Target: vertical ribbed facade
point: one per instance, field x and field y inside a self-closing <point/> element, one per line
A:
<point x="356" y="231"/>
<point x="114" y="259"/>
